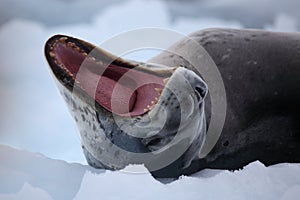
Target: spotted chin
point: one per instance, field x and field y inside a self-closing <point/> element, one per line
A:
<point x="123" y="88"/>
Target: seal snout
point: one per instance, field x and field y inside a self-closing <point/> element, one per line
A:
<point x="181" y="99"/>
<point x="189" y="80"/>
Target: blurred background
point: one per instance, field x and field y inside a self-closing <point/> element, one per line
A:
<point x="33" y="116"/>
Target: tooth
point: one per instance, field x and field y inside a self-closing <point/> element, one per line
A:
<point x="148" y="106"/>
<point x="152" y="102"/>
<point x="63" y="39"/>
<point x="156" y="99"/>
<point x="145" y="110"/>
<point x="57" y="62"/>
<point x="77" y="48"/>
<point x="64" y="68"/>
<point x="84" y="54"/>
<point x="158" y="90"/>
<point x="69" y="44"/>
<point x="55" y="43"/>
<point x="165" y="80"/>
<point x="93" y="58"/>
<point x="52" y="54"/>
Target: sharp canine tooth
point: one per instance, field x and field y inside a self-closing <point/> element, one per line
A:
<point x="145" y="110"/>
<point x="85" y="54"/>
<point x="152" y="102"/>
<point x="156" y="99"/>
<point x="57" y="62"/>
<point x="52" y="54"/>
<point x="63" y="39"/>
<point x="165" y="80"/>
<point x="148" y="106"/>
<point x="158" y="90"/>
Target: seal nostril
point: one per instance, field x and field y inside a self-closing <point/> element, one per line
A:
<point x="200" y="91"/>
<point x="153" y="142"/>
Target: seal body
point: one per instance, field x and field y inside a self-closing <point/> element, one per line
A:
<point x="261" y="74"/>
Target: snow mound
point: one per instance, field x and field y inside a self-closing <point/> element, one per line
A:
<point x="26" y="175"/>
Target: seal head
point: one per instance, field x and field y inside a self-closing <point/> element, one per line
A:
<point x="129" y="112"/>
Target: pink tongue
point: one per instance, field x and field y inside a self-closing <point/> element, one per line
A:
<point x="114" y="96"/>
<point x="124" y="96"/>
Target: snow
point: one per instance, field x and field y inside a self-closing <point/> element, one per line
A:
<point x="27" y="192"/>
<point x="26" y="175"/>
<point x="58" y="178"/>
<point x="33" y="115"/>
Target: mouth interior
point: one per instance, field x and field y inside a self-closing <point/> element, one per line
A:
<point x="121" y="90"/>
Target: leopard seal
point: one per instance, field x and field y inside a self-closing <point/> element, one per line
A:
<point x="261" y="74"/>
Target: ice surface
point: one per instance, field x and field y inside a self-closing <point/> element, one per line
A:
<point x="58" y="178"/>
<point x="26" y="175"/>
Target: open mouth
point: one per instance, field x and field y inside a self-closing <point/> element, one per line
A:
<point x="123" y="88"/>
